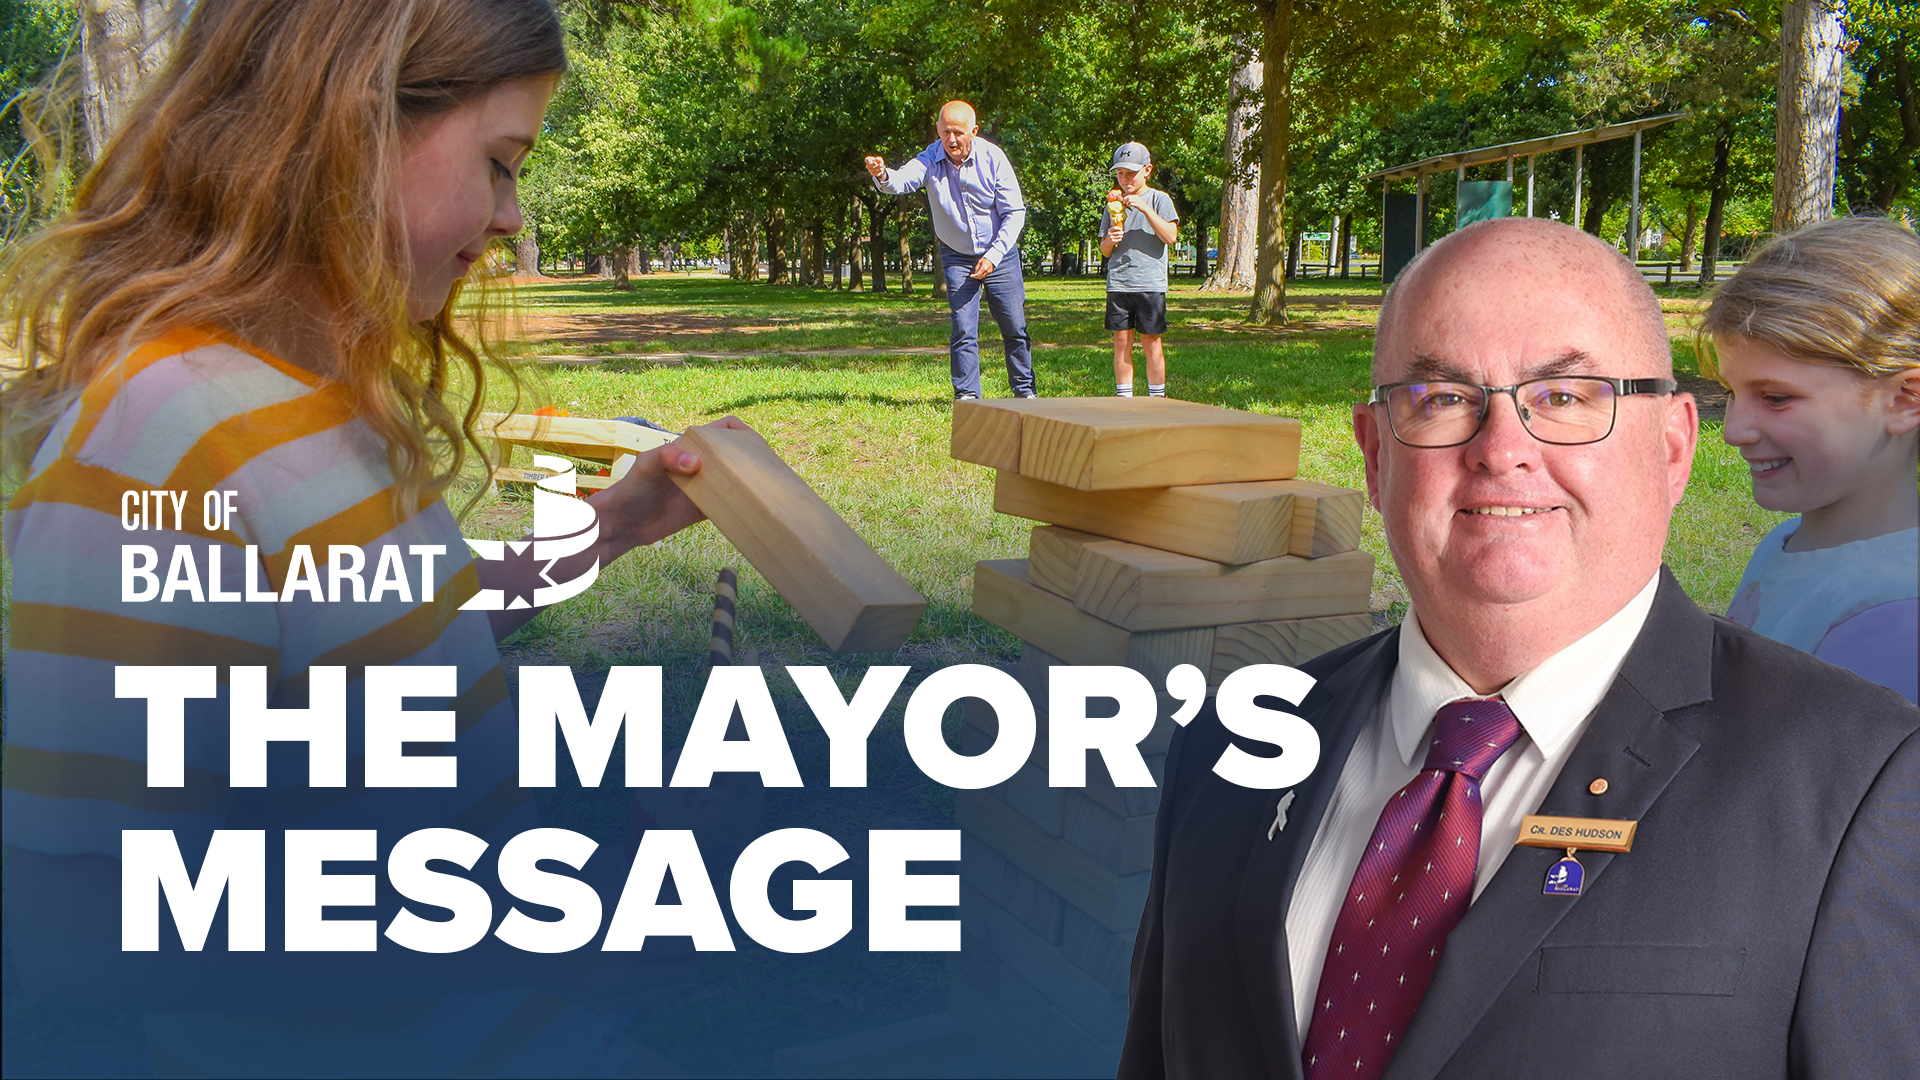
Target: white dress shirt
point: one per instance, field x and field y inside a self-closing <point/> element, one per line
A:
<point x="1553" y="703"/>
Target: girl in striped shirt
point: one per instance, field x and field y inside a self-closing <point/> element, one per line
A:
<point x="253" y="295"/>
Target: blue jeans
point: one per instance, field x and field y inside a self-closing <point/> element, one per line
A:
<point x="1006" y="293"/>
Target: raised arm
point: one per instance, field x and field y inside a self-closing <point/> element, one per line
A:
<point x="905" y="180"/>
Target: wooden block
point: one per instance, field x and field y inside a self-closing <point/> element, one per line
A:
<point x="813" y="559"/>
<point x="1032" y="670"/>
<point x="534" y="476"/>
<point x="983" y="726"/>
<point x="1229" y="523"/>
<point x="1144" y="588"/>
<point x="1099" y="444"/>
<point x="1105" y="954"/>
<point x="1004" y="596"/>
<point x="1114" y="900"/>
<point x="1122" y="844"/>
<point x="1027" y="792"/>
<point x="1326" y="519"/>
<point x="908" y="1048"/>
<point x="1039" y="908"/>
<point x="988" y="432"/>
<point x="574" y="436"/>
<point x="1291" y="642"/>
<point x="1060" y="982"/>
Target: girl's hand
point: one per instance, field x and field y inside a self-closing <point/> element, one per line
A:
<point x="646" y="505"/>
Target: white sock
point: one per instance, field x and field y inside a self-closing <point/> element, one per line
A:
<point x="1158" y="389"/>
<point x="1123" y="389"/>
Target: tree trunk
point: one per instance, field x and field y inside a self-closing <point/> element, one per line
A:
<point x="1687" y="237"/>
<point x="840" y="248"/>
<point x="903" y="215"/>
<point x="1345" y="240"/>
<point x="1200" y="249"/>
<point x="122" y="42"/>
<point x="1807" y="128"/>
<point x="857" y="247"/>
<point x="643" y="259"/>
<point x="877" y="215"/>
<point x="1276" y="133"/>
<point x="777" y="246"/>
<point x="619" y="265"/>
<point x="1239" y="201"/>
<point x="817" y="253"/>
<point x="1293" y="254"/>
<point x="1716" y="207"/>
<point x="526" y="253"/>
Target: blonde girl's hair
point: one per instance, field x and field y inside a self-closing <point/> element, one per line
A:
<point x="1844" y="292"/>
<point x="256" y="168"/>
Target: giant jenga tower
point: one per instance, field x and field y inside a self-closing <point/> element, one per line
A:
<point x="1172" y="533"/>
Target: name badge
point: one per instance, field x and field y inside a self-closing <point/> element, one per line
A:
<point x="1592" y="834"/>
<point x="1567" y="877"/>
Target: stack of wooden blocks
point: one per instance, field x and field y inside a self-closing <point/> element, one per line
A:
<point x="1172" y="533"/>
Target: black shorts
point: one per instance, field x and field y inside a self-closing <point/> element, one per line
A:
<point x="1142" y="311"/>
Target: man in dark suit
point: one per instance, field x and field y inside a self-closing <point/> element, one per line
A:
<point x="1526" y="447"/>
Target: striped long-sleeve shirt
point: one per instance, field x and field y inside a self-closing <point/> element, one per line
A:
<point x="192" y="413"/>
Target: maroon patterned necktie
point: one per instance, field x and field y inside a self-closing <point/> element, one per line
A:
<point x="1412" y="886"/>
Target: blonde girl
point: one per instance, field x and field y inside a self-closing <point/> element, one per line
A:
<point x="250" y="304"/>
<point x="1817" y="339"/>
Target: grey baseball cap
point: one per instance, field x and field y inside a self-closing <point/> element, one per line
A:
<point x="1131" y="156"/>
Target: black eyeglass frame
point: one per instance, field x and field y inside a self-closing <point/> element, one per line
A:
<point x="1621" y="388"/>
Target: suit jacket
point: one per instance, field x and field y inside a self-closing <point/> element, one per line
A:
<point x="1766" y="922"/>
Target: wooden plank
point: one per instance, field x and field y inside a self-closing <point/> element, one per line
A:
<point x="1145" y="588"/>
<point x="1105" y="954"/>
<point x="574" y="436"/>
<point x="1055" y="556"/>
<point x="1100" y="444"/>
<point x="988" y="432"/>
<point x="1028" y="792"/>
<point x="1120" y="843"/>
<point x="1326" y="519"/>
<point x="1113" y="900"/>
<point x="813" y="559"/>
<point x="1291" y="642"/>
<point x="1003" y="595"/>
<point x="1019" y="892"/>
<point x="1060" y="981"/>
<point x="982" y="726"/>
<point x="534" y="476"/>
<point x="1229" y="523"/>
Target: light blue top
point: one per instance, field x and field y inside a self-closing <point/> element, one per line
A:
<point x="977" y="206"/>
<point x="1854" y="605"/>
<point x="1139" y="260"/>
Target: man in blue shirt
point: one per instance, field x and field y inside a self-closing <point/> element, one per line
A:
<point x="977" y="214"/>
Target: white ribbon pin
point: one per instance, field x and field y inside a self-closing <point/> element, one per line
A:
<point x="1280" y="816"/>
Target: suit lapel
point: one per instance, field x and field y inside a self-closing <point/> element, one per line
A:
<point x="1630" y="742"/>
<point x="1346" y="699"/>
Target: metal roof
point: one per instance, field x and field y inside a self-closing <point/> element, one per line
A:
<point x="1489" y="154"/>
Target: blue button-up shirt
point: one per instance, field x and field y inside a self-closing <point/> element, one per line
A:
<point x="977" y="206"/>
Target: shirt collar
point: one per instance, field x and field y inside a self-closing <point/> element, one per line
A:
<point x="1552" y="701"/>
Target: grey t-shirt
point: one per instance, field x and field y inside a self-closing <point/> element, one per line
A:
<point x="1139" y="260"/>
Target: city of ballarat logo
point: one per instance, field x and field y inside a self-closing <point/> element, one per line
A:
<point x="562" y="526"/>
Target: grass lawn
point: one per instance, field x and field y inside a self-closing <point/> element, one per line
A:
<point x="868" y="429"/>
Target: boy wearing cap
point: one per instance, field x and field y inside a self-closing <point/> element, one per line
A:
<point x="1136" y="252"/>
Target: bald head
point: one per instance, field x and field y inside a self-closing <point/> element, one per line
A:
<point x="958" y="112"/>
<point x="956" y="129"/>
<point x="1541" y="267"/>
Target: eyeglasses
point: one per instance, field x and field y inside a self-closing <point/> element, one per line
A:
<point x="1566" y="410"/>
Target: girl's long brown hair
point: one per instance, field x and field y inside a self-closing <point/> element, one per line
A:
<point x="256" y="173"/>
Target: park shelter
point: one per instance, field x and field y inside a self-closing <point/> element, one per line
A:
<point x="1403" y="216"/>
